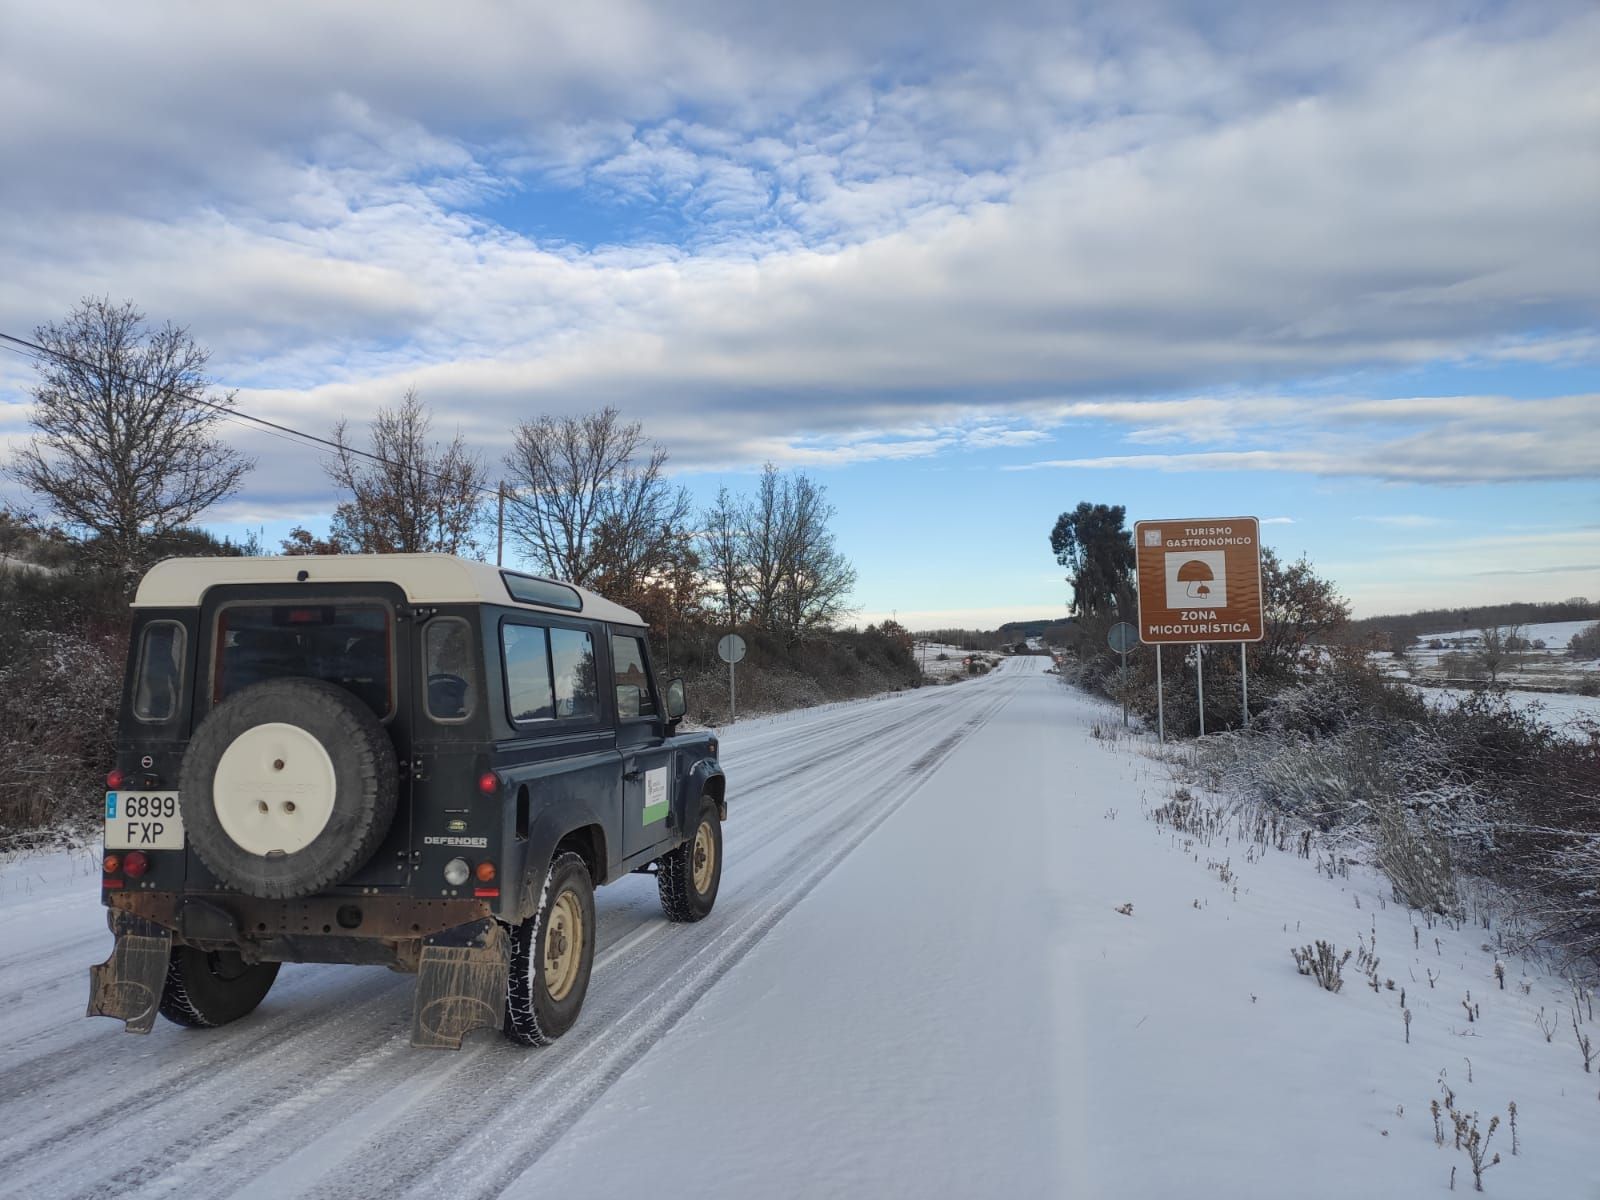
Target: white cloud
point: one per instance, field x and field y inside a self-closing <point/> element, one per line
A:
<point x="868" y="223"/>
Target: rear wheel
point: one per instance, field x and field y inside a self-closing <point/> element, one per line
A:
<point x="688" y="877"/>
<point x="205" y="989"/>
<point x="552" y="953"/>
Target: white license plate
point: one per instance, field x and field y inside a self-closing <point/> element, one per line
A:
<point x="143" y="821"/>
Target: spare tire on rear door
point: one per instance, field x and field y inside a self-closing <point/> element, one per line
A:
<point x="287" y="787"/>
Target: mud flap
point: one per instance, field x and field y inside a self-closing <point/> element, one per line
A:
<point x="461" y="985"/>
<point x="128" y="985"/>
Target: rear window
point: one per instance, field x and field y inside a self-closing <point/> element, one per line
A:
<point x="345" y="644"/>
<point x="451" y="667"/>
<point x="160" y="675"/>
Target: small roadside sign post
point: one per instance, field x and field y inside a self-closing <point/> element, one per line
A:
<point x="730" y="649"/>
<point x="1199" y="583"/>
<point x="1123" y="637"/>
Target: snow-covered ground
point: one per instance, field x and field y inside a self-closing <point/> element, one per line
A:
<point x="1566" y="713"/>
<point x="1543" y="665"/>
<point x="917" y="982"/>
<point x="946" y="663"/>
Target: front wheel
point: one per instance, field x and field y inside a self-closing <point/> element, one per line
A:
<point x="551" y="956"/>
<point x="689" y="876"/>
<point x="205" y="989"/>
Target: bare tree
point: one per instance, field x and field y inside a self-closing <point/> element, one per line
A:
<point x="592" y="502"/>
<point x="816" y="578"/>
<point x="419" y="497"/>
<point x="125" y="446"/>
<point x="761" y="538"/>
<point x="794" y="580"/>
<point x="1498" y="644"/>
<point x="720" y="552"/>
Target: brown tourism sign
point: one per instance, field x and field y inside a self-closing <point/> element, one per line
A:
<point x="1199" y="580"/>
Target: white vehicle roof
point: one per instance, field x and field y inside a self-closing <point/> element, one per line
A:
<point x="425" y="579"/>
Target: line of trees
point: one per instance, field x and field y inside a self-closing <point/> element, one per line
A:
<point x="126" y="454"/>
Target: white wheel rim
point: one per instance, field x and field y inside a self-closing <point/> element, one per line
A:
<point x="274" y="788"/>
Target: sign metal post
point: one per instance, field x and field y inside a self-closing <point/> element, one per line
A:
<point x="1244" y="685"/>
<point x="1161" y="706"/>
<point x="730" y="649"/>
<point x="1122" y="637"/>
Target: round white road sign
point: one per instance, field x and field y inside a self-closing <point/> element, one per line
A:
<point x="731" y="648"/>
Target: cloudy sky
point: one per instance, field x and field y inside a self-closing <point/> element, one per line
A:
<point x="1337" y="266"/>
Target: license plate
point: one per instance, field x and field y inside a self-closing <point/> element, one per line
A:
<point x="143" y="821"/>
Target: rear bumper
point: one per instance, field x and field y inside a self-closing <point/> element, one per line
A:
<point x="379" y="930"/>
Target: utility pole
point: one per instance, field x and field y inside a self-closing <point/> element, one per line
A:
<point x="500" y="527"/>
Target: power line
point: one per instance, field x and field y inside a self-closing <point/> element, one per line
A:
<point x="30" y="349"/>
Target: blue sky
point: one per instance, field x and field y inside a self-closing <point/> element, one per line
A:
<point x="1334" y="266"/>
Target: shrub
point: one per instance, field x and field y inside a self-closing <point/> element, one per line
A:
<point x="1585" y="643"/>
<point x="58" y="705"/>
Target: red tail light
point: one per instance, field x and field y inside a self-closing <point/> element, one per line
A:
<point x="135" y="864"/>
<point x="488" y="783"/>
<point x="485" y="872"/>
<point x="115" y="778"/>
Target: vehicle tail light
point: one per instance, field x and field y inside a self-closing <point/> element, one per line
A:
<point x="112" y="864"/>
<point x="457" y="872"/>
<point x="485" y="872"/>
<point x="111" y="882"/>
<point x="135" y="864"/>
<point x="488" y="783"/>
<point x="115" y="778"/>
<point x="488" y="893"/>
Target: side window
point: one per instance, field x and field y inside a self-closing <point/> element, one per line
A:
<point x="633" y="683"/>
<point x="160" y="674"/>
<point x="452" y="675"/>
<point x="527" y="654"/>
<point x="577" y="686"/>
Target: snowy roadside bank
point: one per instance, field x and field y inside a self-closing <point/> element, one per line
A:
<point x="1259" y="1081"/>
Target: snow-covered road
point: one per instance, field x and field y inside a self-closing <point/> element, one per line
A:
<point x="319" y="1092"/>
<point x="916" y="982"/>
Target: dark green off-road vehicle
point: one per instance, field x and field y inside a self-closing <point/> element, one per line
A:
<point x="414" y="761"/>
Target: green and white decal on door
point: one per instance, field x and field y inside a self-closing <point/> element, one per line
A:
<point x="655" y="795"/>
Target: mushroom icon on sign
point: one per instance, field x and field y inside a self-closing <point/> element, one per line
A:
<point x="1196" y="575"/>
<point x="1197" y="579"/>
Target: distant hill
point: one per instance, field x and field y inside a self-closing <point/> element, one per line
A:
<point x="1470" y="620"/>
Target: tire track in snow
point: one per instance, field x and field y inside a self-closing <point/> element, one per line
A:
<point x="513" y="1141"/>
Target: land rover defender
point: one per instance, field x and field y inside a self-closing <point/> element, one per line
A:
<point x="414" y="761"/>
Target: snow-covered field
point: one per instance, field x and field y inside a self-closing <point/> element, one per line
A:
<point x="1562" y="711"/>
<point x="947" y="663"/>
<point x="1543" y="666"/>
<point x="917" y="982"/>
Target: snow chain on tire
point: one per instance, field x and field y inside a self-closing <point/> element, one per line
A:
<point x="197" y="997"/>
<point x="675" y="871"/>
<point x="532" y="1017"/>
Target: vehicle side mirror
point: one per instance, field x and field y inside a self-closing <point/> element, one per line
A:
<point x="677" y="700"/>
